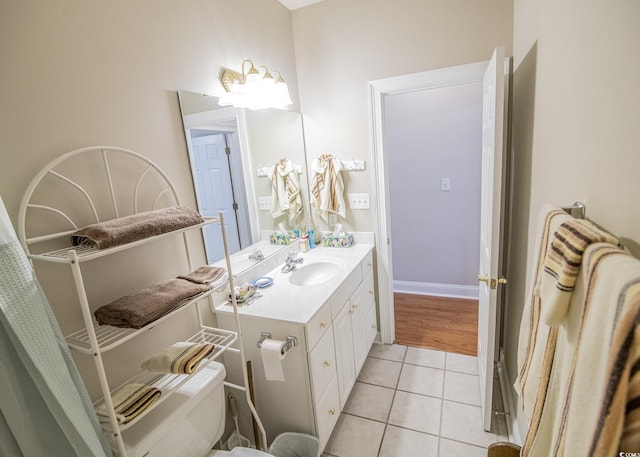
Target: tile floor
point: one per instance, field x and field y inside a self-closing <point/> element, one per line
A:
<point x="412" y="402"/>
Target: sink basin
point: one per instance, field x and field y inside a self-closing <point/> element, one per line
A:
<point x="315" y="273"/>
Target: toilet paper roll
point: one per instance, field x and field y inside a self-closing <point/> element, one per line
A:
<point x="272" y="352"/>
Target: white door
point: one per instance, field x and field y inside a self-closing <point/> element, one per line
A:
<point x="490" y="225"/>
<point x="215" y="192"/>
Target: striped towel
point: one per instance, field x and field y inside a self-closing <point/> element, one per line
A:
<point x="618" y="426"/>
<point x="285" y="190"/>
<point x="129" y="401"/>
<point x="562" y="264"/>
<point x="181" y="358"/>
<point x="536" y="339"/>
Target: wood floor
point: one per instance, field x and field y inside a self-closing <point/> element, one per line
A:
<point x="442" y="323"/>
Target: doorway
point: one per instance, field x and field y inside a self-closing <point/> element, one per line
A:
<point x="433" y="138"/>
<point x="379" y="92"/>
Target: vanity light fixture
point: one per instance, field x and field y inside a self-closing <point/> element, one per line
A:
<point x="254" y="89"/>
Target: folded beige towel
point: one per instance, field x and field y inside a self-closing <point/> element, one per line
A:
<point x="562" y="264"/>
<point x="129" y="401"/>
<point x="135" y="227"/>
<point x="145" y="306"/>
<point x="180" y="358"/>
<point x="205" y="275"/>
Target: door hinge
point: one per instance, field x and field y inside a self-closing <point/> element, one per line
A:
<point x="227" y="150"/>
<point x="235" y="207"/>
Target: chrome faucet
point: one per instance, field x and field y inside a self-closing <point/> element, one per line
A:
<point x="291" y="262"/>
<point x="257" y="255"/>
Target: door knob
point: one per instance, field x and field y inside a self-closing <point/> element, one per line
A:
<point x="484" y="279"/>
<point x="502" y="280"/>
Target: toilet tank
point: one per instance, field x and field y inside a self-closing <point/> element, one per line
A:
<point x="187" y="424"/>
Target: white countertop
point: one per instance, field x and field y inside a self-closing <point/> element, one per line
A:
<point x="293" y="303"/>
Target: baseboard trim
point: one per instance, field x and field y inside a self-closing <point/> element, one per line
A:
<point x="508" y="401"/>
<point x="439" y="290"/>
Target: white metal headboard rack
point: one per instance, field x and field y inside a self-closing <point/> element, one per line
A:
<point x="93" y="339"/>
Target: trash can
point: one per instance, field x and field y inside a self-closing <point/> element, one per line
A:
<point x="291" y="444"/>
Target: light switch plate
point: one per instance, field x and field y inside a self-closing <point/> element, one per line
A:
<point x="359" y="201"/>
<point x="445" y="184"/>
<point x="264" y="203"/>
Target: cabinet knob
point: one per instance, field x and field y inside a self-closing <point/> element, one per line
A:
<point x="332" y="411"/>
<point x="374" y="326"/>
<point x="323" y="324"/>
<point x="371" y="292"/>
<point x="369" y="264"/>
<point x="327" y="363"/>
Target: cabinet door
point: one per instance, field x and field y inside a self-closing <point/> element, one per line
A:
<point x="360" y="306"/>
<point x="371" y="324"/>
<point x="343" y="338"/>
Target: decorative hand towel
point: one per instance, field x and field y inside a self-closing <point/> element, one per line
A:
<point x="327" y="188"/>
<point x="180" y="358"/>
<point x="561" y="266"/>
<point x="129" y="402"/>
<point x="285" y="190"/>
<point x="149" y="304"/>
<point x="205" y="275"/>
<point x="135" y="227"/>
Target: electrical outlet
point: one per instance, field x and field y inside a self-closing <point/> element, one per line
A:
<point x="264" y="203"/>
<point x="359" y="201"/>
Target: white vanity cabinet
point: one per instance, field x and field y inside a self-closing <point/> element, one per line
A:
<point x="332" y="346"/>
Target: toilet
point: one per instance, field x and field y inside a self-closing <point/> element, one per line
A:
<point x="188" y="423"/>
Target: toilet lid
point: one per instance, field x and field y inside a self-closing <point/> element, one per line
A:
<point x="247" y="452"/>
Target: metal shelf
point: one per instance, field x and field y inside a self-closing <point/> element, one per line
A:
<point x="110" y="337"/>
<point x="86" y="253"/>
<point x="169" y="383"/>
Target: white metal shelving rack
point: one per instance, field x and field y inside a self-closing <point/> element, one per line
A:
<point x="66" y="173"/>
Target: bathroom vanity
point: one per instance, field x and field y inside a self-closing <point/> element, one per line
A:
<point x="327" y="305"/>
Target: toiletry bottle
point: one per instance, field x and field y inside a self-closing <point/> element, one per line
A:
<point x="312" y="241"/>
<point x="296" y="231"/>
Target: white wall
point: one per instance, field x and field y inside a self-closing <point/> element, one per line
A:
<point x="433" y="134"/>
<point x="340" y="46"/>
<point x="576" y="105"/>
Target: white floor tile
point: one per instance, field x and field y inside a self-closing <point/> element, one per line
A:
<point x="355" y="437"/>
<point x="464" y="423"/>
<point x="416" y="412"/>
<point x="425" y="357"/>
<point x="450" y="448"/>
<point x="421" y="380"/>
<point x="393" y="352"/>
<point x="399" y="442"/>
<point x="380" y="372"/>
<point x="462" y="363"/>
<point x="461" y="387"/>
<point x="369" y="401"/>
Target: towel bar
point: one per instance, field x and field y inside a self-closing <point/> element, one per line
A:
<point x="577" y="210"/>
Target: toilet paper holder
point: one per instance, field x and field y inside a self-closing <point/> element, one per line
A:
<point x="291" y="342"/>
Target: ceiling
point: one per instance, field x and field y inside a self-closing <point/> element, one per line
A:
<point x="295" y="4"/>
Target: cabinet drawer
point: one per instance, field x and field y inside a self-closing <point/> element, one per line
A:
<point x="317" y="326"/>
<point x="322" y="365"/>
<point x="327" y="412"/>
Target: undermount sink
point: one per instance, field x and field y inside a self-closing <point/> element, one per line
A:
<point x="312" y="274"/>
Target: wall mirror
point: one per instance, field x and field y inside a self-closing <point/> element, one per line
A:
<point x="230" y="150"/>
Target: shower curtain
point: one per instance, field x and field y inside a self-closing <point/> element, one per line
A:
<point x="44" y="407"/>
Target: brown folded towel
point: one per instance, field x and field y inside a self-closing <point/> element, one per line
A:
<point x="180" y="358"/>
<point x="204" y="275"/>
<point x="129" y="402"/>
<point x="136" y="227"/>
<point x="144" y="306"/>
